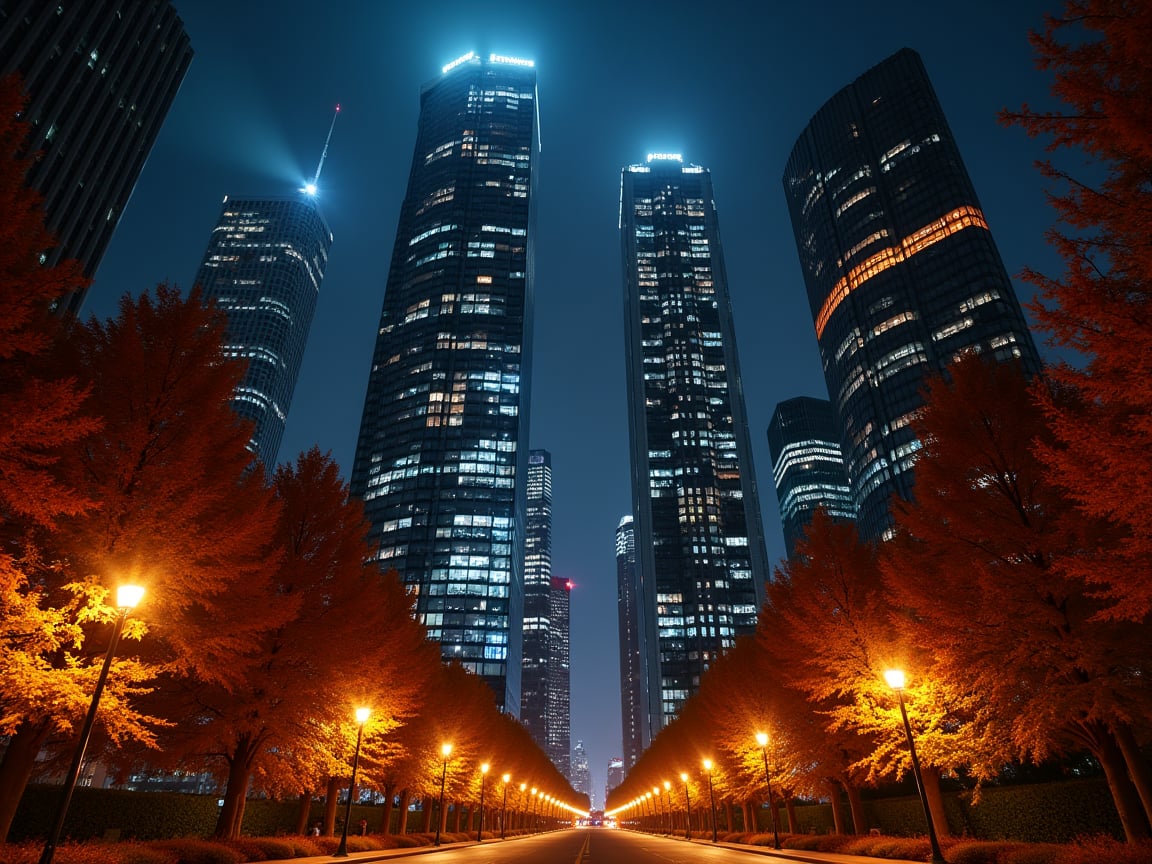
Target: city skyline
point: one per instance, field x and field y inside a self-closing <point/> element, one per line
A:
<point x="269" y="116"/>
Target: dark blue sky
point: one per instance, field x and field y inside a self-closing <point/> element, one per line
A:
<point x="727" y="84"/>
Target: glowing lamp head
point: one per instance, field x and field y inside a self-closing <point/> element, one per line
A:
<point x="506" y="777"/>
<point x="523" y="786"/>
<point x="445" y="750"/>
<point x="683" y="777"/>
<point x="362" y="715"/>
<point x="667" y="785"/>
<point x="762" y="739"/>
<point x="895" y="678"/>
<point x="484" y="768"/>
<point x="128" y="596"/>
<point x="309" y="189"/>
<point x="708" y="765"/>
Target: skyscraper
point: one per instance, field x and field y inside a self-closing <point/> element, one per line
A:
<point x="699" y="540"/>
<point x="100" y="78"/>
<point x="901" y="270"/>
<point x="807" y="465"/>
<point x="633" y="703"/>
<point x="534" y="678"/>
<point x="440" y="461"/>
<point x="615" y="775"/>
<point x="558" y="715"/>
<point x="263" y="266"/>
<point x="581" y="778"/>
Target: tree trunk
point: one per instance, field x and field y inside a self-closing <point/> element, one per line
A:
<point x="457" y="811"/>
<point x="389" y="806"/>
<point x="238" y="819"/>
<point x="931" y="777"/>
<point x="856" y="806"/>
<point x="426" y="812"/>
<point x="834" y="790"/>
<point x="331" y="802"/>
<point x="750" y="816"/>
<point x="239" y="772"/>
<point x="402" y="821"/>
<point x="1138" y="768"/>
<point x="790" y="809"/>
<point x="16" y="768"/>
<point x="1124" y="796"/>
<point x="303" y="812"/>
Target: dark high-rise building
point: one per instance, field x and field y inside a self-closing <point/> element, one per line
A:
<point x="100" y="77"/>
<point x="441" y="458"/>
<point x="581" y="778"/>
<point x="633" y="702"/>
<point x="699" y="539"/>
<point x="534" y="676"/>
<point x="264" y="265"/>
<point x="807" y="465"/>
<point x="558" y="716"/>
<point x="901" y="269"/>
<point x="615" y="775"/>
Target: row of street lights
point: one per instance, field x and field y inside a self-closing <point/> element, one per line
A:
<point x="895" y="679"/>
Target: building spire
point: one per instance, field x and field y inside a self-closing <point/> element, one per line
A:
<point x="311" y="187"/>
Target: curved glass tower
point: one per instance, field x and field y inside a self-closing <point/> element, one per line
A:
<point x="263" y="267"/>
<point x="901" y="269"/>
<point x="441" y="457"/>
<point x="699" y="539"/>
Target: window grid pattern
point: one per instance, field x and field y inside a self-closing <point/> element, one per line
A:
<point x="440" y="459"/>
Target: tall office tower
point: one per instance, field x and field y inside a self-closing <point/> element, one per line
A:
<point x="100" y="77"/>
<point x="699" y="539"/>
<point x="581" y="778"/>
<point x="615" y="775"/>
<point x="901" y="269"/>
<point x="807" y="465"/>
<point x="440" y="462"/>
<point x="263" y="266"/>
<point x="633" y="703"/>
<point x="534" y="677"/>
<point x="558" y="723"/>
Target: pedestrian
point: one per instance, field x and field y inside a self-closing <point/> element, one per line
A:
<point x="315" y="832"/>
<point x="363" y="827"/>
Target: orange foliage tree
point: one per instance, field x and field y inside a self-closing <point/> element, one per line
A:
<point x="979" y="563"/>
<point x="1100" y="52"/>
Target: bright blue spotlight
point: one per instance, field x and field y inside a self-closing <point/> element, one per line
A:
<point x="309" y="188"/>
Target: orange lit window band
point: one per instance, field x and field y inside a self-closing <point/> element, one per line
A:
<point x="933" y="232"/>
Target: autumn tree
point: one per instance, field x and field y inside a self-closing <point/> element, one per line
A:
<point x="1100" y="53"/>
<point x="175" y="508"/>
<point x="979" y="563"/>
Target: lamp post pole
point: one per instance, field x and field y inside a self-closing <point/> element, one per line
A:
<point x="127" y="596"/>
<point x="668" y="804"/>
<point x="711" y="797"/>
<point x="504" y="804"/>
<point x="361" y="719"/>
<point x="762" y="740"/>
<point x="445" y="752"/>
<point x="483" y="777"/>
<point x="895" y="679"/>
<point x="687" y="809"/>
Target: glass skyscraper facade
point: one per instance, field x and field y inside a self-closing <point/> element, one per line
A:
<point x="558" y="713"/>
<point x="440" y="462"/>
<point x="100" y="77"/>
<point x="633" y="703"/>
<point x="807" y="465"/>
<point x="699" y="540"/>
<point x="900" y="267"/>
<point x="534" y="681"/>
<point x="263" y="266"/>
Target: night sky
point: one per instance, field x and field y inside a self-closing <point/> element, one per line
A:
<point x="728" y="84"/>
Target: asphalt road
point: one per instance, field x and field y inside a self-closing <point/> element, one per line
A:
<point x="591" y="846"/>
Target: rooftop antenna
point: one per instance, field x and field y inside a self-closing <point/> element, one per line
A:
<point x="310" y="188"/>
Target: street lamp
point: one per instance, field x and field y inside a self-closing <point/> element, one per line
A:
<point x="762" y="740"/>
<point x="127" y="597"/>
<point x="656" y="799"/>
<point x="483" y="777"/>
<point x="504" y="804"/>
<point x="687" y="808"/>
<point x="668" y="801"/>
<point x="895" y="679"/>
<point x="361" y="719"/>
<point x="445" y="752"/>
<point x="711" y="797"/>
<point x="533" y="810"/>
